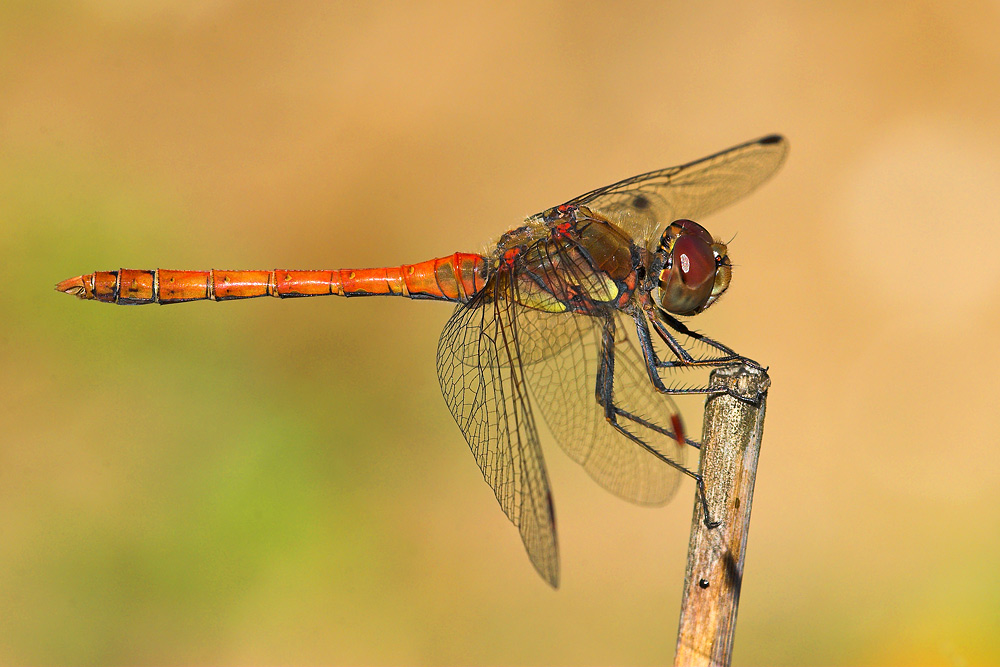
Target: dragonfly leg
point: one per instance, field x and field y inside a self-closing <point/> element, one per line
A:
<point x="612" y="413"/>
<point x="654" y="363"/>
<point x="661" y="321"/>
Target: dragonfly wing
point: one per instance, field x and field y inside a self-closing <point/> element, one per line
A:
<point x="482" y="379"/>
<point x="548" y="338"/>
<point x="643" y="204"/>
<point x="547" y="275"/>
<point x="564" y="386"/>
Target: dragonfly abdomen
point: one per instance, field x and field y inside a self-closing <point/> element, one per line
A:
<point x="456" y="278"/>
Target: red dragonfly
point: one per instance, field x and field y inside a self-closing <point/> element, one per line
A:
<point x="571" y="306"/>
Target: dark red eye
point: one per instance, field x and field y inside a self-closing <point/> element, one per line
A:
<point x="687" y="281"/>
<point x="695" y="261"/>
<point x="692" y="228"/>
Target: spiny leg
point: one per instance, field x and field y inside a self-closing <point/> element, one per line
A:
<point x="684" y="359"/>
<point x="660" y="322"/>
<point x="605" y="397"/>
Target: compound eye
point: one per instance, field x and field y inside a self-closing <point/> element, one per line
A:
<point x="685" y="227"/>
<point x="695" y="261"/>
<point x="687" y="281"/>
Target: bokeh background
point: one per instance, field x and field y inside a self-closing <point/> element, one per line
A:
<point x="271" y="482"/>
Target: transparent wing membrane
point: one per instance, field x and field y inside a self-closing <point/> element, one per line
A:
<point x="643" y="204"/>
<point x="564" y="386"/>
<point x="483" y="384"/>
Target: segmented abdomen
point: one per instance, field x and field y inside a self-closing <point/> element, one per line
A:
<point x="456" y="277"/>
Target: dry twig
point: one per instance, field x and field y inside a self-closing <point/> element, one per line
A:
<point x="732" y="434"/>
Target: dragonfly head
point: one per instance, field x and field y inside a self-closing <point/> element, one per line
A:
<point x="696" y="269"/>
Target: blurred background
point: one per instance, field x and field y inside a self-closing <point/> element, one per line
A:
<point x="281" y="483"/>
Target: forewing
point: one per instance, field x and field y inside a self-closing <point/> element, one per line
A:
<point x="482" y="379"/>
<point x="564" y="386"/>
<point x="643" y="204"/>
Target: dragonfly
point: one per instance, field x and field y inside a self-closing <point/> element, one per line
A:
<point x="577" y="312"/>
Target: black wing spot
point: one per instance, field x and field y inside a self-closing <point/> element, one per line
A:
<point x="771" y="139"/>
<point x="640" y="202"/>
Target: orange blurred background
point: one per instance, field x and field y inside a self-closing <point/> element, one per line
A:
<point x="281" y="483"/>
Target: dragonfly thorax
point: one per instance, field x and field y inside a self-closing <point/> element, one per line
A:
<point x="694" y="270"/>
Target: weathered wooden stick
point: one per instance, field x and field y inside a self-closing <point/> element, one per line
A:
<point x="732" y="434"/>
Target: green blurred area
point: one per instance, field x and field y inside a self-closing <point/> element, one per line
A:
<point x="280" y="482"/>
